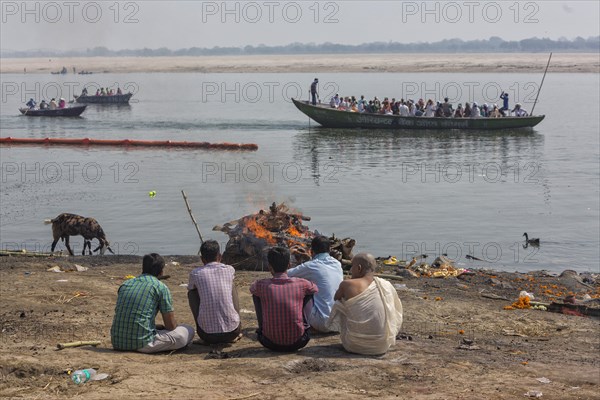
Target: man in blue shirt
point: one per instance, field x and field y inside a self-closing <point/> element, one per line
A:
<point x="504" y="97"/>
<point x="325" y="272"/>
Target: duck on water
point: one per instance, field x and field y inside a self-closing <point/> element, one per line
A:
<point x="532" y="241"/>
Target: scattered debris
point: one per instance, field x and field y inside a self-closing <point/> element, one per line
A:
<point x="393" y="261"/>
<point x="502" y="284"/>
<point x="512" y="332"/>
<point x="523" y="293"/>
<point x="543" y="380"/>
<point x="216" y="354"/>
<point x="313" y="365"/>
<point x="74" y="268"/>
<point x="403" y="336"/>
<point x="493" y="296"/>
<point x="64" y="299"/>
<point x="467" y="344"/>
<point x="533" y="393"/>
<point x="406" y="273"/>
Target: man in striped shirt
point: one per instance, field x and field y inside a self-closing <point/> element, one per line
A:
<point x="139" y="301"/>
<point x="280" y="303"/>
<point x="213" y="297"/>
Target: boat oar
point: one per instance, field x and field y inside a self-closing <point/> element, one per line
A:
<point x="544" y="77"/>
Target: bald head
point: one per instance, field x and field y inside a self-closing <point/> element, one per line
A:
<point x="362" y="264"/>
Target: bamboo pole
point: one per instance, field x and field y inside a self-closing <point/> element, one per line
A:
<point x="539" y="90"/>
<point x="9" y="253"/>
<point x="192" y="216"/>
<point x="94" y="343"/>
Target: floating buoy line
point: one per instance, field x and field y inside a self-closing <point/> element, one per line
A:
<point x="130" y="143"/>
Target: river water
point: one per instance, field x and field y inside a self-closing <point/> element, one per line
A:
<point x="396" y="193"/>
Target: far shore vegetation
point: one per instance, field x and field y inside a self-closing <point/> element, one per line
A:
<point x="492" y="45"/>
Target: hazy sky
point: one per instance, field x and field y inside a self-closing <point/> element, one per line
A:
<point x="64" y="25"/>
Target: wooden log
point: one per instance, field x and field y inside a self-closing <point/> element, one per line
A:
<point x="388" y="276"/>
<point x="574" y="309"/>
<point x="94" y="343"/>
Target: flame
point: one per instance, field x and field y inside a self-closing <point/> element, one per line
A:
<point x="259" y="231"/>
<point x="294" y="232"/>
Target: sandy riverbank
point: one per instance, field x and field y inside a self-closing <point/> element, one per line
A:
<point x="511" y="348"/>
<point x="566" y="62"/>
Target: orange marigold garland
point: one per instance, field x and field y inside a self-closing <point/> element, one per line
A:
<point x="520" y="304"/>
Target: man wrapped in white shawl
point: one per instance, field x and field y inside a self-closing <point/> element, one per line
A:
<point x="367" y="311"/>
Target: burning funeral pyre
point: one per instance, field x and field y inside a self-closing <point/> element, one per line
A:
<point x="251" y="236"/>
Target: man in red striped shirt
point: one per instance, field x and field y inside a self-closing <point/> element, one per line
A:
<point x="281" y="303"/>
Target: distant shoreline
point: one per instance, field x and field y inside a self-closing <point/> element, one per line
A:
<point x="318" y="63"/>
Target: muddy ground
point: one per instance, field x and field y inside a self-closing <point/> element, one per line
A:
<point x="510" y="349"/>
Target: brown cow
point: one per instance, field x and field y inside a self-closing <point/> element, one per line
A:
<point x="66" y="225"/>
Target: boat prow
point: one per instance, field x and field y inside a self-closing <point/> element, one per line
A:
<point x="332" y="118"/>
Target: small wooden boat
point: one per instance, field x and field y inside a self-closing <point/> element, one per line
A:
<point x="332" y="118"/>
<point x="113" y="99"/>
<point x="61" y="72"/>
<point x="57" y="112"/>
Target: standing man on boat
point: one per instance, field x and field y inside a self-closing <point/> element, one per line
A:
<point x="313" y="91"/>
<point x="504" y="97"/>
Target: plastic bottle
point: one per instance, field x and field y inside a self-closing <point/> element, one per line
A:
<point x="83" y="375"/>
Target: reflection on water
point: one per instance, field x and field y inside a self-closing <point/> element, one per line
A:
<point x="387" y="149"/>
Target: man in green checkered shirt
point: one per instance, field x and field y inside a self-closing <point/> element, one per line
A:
<point x="139" y="301"/>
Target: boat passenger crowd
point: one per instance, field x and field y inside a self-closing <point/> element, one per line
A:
<point x="51" y="105"/>
<point x="103" y="92"/>
<point x="420" y="108"/>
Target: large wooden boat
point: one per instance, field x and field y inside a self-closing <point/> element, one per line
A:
<point x="113" y="99"/>
<point x="57" y="112"/>
<point x="332" y="118"/>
